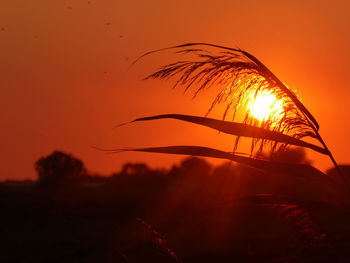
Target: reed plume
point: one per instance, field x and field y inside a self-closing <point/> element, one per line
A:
<point x="240" y="78"/>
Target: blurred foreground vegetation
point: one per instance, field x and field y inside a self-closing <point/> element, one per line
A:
<point x="193" y="212"/>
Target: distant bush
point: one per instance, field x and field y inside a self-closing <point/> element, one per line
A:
<point x="135" y="168"/>
<point x="292" y="155"/>
<point x="59" y="168"/>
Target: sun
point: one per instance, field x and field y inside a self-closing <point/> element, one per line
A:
<point x="265" y="106"/>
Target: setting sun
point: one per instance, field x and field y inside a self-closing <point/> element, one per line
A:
<point x="265" y="106"/>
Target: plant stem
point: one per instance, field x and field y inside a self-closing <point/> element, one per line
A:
<point x="333" y="161"/>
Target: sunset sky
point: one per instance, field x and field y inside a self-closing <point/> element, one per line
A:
<point x="65" y="84"/>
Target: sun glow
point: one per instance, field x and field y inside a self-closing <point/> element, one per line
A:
<point x="265" y="106"/>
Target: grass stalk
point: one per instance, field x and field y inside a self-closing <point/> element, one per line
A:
<point x="336" y="166"/>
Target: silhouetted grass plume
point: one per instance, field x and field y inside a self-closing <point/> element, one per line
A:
<point x="240" y="78"/>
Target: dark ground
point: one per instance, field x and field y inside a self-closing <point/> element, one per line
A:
<point x="240" y="217"/>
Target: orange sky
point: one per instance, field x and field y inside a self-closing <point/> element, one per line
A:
<point x="64" y="82"/>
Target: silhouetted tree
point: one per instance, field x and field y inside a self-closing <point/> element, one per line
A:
<point x="58" y="168"/>
<point x="291" y="155"/>
<point x="345" y="169"/>
<point x="135" y="168"/>
<point x="196" y="166"/>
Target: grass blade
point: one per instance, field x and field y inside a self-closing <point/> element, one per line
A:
<point x="238" y="129"/>
<point x="300" y="170"/>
